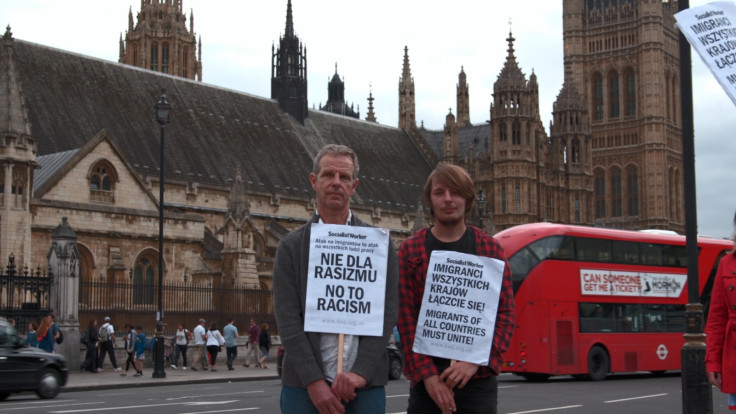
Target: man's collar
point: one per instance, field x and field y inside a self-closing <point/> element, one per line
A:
<point x="347" y="223"/>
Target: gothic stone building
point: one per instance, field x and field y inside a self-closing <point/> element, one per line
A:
<point x="613" y="156"/>
<point x="80" y="141"/>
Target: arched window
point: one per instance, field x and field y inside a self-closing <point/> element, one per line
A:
<point x="613" y="95"/>
<point x="630" y="92"/>
<point x="517" y="198"/>
<point x="154" y="56"/>
<point x="503" y="200"/>
<point x="668" y="104"/>
<point x="597" y="97"/>
<point x="102" y="179"/>
<point x="599" y="179"/>
<point x="165" y="58"/>
<point x="18" y="187"/>
<point x="143" y="276"/>
<point x="616" y="192"/>
<point x="632" y="191"/>
<point x="502" y="133"/>
<point x="135" y="55"/>
<point x="674" y="98"/>
<point x="185" y="62"/>
<point x="516" y="133"/>
<point x="575" y="151"/>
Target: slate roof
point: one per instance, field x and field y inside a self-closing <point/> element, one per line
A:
<point x="213" y="130"/>
<point x="474" y="136"/>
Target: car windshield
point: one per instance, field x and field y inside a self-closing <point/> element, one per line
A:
<point x="7" y="335"/>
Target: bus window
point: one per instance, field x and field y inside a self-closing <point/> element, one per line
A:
<point x="629" y="317"/>
<point x="651" y="254"/>
<point x="625" y="252"/>
<point x="675" y="256"/>
<point x="559" y="247"/>
<point x="521" y="263"/>
<point x="597" y="317"/>
<point x="655" y="318"/>
<point x="675" y="318"/>
<point x="593" y="250"/>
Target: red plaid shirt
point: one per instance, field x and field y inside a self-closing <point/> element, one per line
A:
<point x="413" y="264"/>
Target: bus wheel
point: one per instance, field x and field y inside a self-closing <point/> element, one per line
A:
<point x="598" y="363"/>
<point x="535" y="377"/>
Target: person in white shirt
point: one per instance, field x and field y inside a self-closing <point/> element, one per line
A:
<point x="180" y="345"/>
<point x="214" y="342"/>
<point x="200" y="338"/>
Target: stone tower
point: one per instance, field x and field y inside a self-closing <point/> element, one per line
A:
<point x="371" y="117"/>
<point x="519" y="140"/>
<point x="450" y="144"/>
<point x="571" y="158"/>
<point x="623" y="57"/>
<point x="336" y="98"/>
<point x="289" y="72"/>
<point x="238" y="253"/>
<point x="18" y="157"/>
<point x="160" y="41"/>
<point x="407" y="106"/>
<point x="463" y="100"/>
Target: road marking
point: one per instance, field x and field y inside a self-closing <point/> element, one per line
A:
<point x="47" y="404"/>
<point x="547" y="409"/>
<point x="636" y="398"/>
<point x="97" y="409"/>
<point x="397" y="395"/>
<point x="224" y="411"/>
<point x="189" y="397"/>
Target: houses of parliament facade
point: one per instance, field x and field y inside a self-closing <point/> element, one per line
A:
<point x="79" y="142"/>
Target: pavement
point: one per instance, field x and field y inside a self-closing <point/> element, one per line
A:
<point x="109" y="379"/>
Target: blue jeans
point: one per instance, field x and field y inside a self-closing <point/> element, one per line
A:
<point x="369" y="401"/>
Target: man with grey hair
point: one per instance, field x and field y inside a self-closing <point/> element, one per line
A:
<point x="311" y="383"/>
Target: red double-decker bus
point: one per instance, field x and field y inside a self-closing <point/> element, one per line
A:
<point x="593" y="301"/>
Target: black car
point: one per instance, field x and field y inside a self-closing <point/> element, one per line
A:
<point x="395" y="361"/>
<point x="28" y="369"/>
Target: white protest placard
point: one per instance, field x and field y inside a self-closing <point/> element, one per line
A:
<point x="624" y="283"/>
<point x="459" y="307"/>
<point x="346" y="280"/>
<point x="711" y="31"/>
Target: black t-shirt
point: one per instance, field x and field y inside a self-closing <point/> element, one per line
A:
<point x="465" y="244"/>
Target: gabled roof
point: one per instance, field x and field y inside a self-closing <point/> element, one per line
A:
<point x="213" y="130"/>
<point x="54" y="167"/>
<point x="474" y="137"/>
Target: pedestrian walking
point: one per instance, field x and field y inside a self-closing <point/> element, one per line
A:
<point x="230" y="332"/>
<point x="91" y="358"/>
<point x="130" y="337"/>
<point x="140" y="350"/>
<point x="181" y="343"/>
<point x="200" y="339"/>
<point x="252" y="352"/>
<point x="32" y="335"/>
<point x="264" y="343"/>
<point x="107" y="345"/>
<point x="214" y="342"/>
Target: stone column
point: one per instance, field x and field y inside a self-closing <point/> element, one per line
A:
<point x="63" y="259"/>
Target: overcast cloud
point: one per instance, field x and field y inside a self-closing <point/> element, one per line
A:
<point x="366" y="40"/>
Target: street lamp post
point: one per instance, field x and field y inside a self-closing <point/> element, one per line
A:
<point x="163" y="109"/>
<point x="481" y="200"/>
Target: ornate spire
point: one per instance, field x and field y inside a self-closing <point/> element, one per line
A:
<point x="511" y="75"/>
<point x="289" y="32"/>
<point x="238" y="206"/>
<point x="371" y="117"/>
<point x="14" y="116"/>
